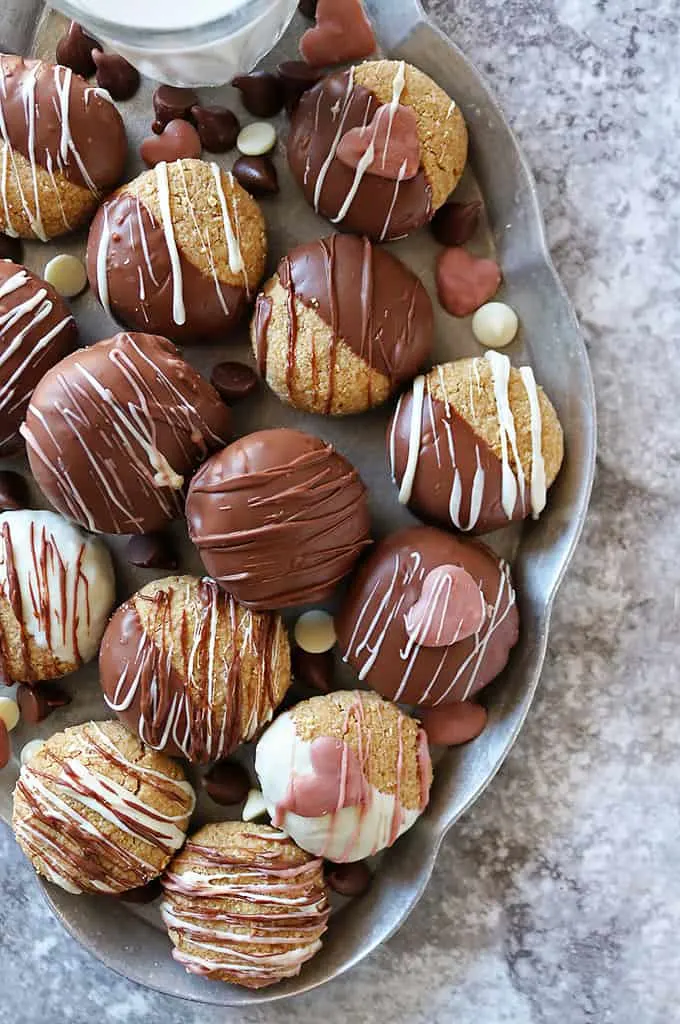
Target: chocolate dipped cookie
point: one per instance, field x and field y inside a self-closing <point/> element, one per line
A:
<point x="341" y="326"/>
<point x="62" y="147"/>
<point x="180" y="251"/>
<point x="377" y="149"/>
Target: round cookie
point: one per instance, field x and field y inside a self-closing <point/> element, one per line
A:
<point x="279" y="518"/>
<point x="344" y="774"/>
<point x="419" y="148"/>
<point x="429" y="618"/>
<point x="190" y="670"/>
<point x="341" y="326"/>
<point x="36" y="331"/>
<point x="57" y="589"/>
<point x="475" y="445"/>
<point x="62" y="148"/>
<point x="95" y="811"/>
<point x="113" y="431"/>
<point x="179" y="251"/>
<point x="242" y="903"/>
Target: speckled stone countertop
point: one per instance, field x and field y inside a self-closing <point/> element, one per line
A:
<point x="557" y="899"/>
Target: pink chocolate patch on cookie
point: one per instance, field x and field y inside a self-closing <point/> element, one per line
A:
<point x="337" y="781"/>
<point x="451" y="607"/>
<point x="388" y="147"/>
<point x="178" y="141"/>
<point x="465" y="282"/>
<point x="342" y="33"/>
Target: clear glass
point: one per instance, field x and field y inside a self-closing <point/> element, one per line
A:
<point x="207" y="50"/>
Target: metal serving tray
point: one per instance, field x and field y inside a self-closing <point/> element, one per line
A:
<point x="130" y="939"/>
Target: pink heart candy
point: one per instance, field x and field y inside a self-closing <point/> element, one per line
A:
<point x="453" y="724"/>
<point x="451" y="607"/>
<point x="393" y="136"/>
<point x="342" y="33"/>
<point x="178" y="141"/>
<point x="465" y="282"/>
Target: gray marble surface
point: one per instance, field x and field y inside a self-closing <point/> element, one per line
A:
<point x="557" y="899"/>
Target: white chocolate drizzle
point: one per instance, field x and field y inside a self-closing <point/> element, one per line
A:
<point x="162" y="184"/>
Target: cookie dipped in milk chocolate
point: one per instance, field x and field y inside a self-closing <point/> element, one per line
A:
<point x="377" y="149"/>
<point x="341" y="326"/>
<point x="429" y="618"/>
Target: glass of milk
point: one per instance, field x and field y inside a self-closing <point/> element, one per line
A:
<point x="185" y="42"/>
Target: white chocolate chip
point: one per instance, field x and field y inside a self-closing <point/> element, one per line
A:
<point x="495" y="325"/>
<point x="30" y="750"/>
<point x="9" y="712"/>
<point x="257" y="139"/>
<point x="315" y="632"/>
<point x="255" y="807"/>
<point x="66" y="274"/>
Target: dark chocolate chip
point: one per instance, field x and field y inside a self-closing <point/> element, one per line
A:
<point x="314" y="670"/>
<point x="13" y="491"/>
<point x="297" y="78"/>
<point x="116" y="75"/>
<point x="233" y="381"/>
<point x="349" y="879"/>
<point x="307" y="8"/>
<point x="37" y="702"/>
<point x="262" y="93"/>
<point x="151" y="551"/>
<point x="227" y="783"/>
<point x="74" y="50"/>
<point x="218" y="127"/>
<point x="5" y="745"/>
<point x="10" y="248"/>
<point x="257" y="174"/>
<point x="456" y="223"/>
<point x="143" y="893"/>
<point x="170" y="104"/>
<point x="157" y="127"/>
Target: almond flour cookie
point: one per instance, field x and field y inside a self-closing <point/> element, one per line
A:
<point x="96" y="811"/>
<point x="62" y="148"/>
<point x="242" y="903"/>
<point x="56" y="591"/>
<point x="190" y="670"/>
<point x="429" y="618"/>
<point x="179" y="251"/>
<point x="341" y="326"/>
<point x="36" y="331"/>
<point x="377" y="149"/>
<point x="344" y="774"/>
<point x="114" y="430"/>
<point x="475" y="445"/>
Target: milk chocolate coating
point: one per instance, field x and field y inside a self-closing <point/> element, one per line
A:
<point x="279" y="518"/>
<point x="442" y="430"/>
<point x="381" y="209"/>
<point x="371" y="627"/>
<point x="66" y="108"/>
<point x="36" y="331"/>
<point x="113" y="432"/>
<point x="368" y="298"/>
<point x="140" y="282"/>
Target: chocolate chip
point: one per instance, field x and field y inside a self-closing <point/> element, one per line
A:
<point x="157" y="127"/>
<point x="297" y="77"/>
<point x="178" y="141"/>
<point x="233" y="381"/>
<point x="13" y="491"/>
<point x="314" y="670"/>
<point x="74" y="50"/>
<point x="37" y="702"/>
<point x="116" y="75"/>
<point x="10" y="248"/>
<point x="218" y="127"/>
<point x="307" y="8"/>
<point x="170" y="103"/>
<point x="227" y="783"/>
<point x="262" y="93"/>
<point x="143" y="893"/>
<point x="349" y="879"/>
<point x="151" y="551"/>
<point x="257" y="174"/>
<point x="5" y="745"/>
<point x="456" y="223"/>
